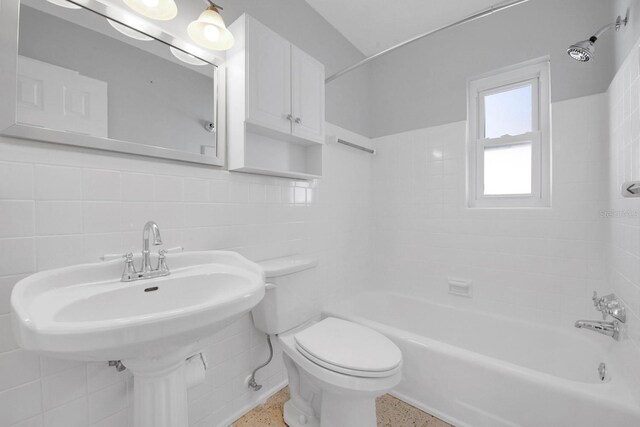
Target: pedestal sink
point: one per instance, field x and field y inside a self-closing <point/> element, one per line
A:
<point x="86" y="313"/>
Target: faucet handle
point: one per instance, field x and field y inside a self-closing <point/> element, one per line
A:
<point x="609" y="305"/>
<point x="601" y="303"/>
<point x="129" y="268"/>
<point x="162" y="260"/>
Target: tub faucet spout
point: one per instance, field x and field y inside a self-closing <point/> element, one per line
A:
<point x="610" y="329"/>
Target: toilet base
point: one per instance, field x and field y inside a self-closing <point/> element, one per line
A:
<point x="293" y="417"/>
<point x="335" y="412"/>
<point x="340" y="410"/>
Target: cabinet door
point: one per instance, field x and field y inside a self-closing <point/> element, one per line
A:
<point x="269" y="79"/>
<point x="307" y="96"/>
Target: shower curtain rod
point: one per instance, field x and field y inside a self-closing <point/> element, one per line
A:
<point x="486" y="12"/>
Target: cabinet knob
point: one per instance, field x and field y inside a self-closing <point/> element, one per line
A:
<point x="298" y="120"/>
<point x="289" y="117"/>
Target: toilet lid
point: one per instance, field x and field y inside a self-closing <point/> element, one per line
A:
<point x="349" y="348"/>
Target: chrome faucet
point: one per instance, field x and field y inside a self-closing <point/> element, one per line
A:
<point x="150" y="236"/>
<point x="610" y="329"/>
<point x="608" y="305"/>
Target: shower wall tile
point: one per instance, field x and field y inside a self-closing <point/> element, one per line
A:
<point x="623" y="225"/>
<point x="536" y="264"/>
<point x="69" y="207"/>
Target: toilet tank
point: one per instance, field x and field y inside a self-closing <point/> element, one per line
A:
<point x="291" y="296"/>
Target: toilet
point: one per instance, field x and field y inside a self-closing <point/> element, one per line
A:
<point x="336" y="368"/>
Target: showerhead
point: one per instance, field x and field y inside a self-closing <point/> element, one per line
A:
<point x="584" y="51"/>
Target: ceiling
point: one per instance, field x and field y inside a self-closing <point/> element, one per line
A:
<point x="374" y="25"/>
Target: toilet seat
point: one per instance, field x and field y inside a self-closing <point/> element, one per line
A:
<point x="349" y="348"/>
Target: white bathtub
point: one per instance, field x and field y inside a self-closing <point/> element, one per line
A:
<point x="479" y="370"/>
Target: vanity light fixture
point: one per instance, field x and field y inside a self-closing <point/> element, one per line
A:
<point x="161" y="10"/>
<point x="129" y="32"/>
<point x="209" y="30"/>
<point x="64" y="3"/>
<point x="185" y="57"/>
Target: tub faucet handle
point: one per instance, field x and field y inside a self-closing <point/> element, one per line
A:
<point x="601" y="302"/>
<point x="609" y="305"/>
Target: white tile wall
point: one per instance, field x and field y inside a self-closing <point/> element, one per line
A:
<point x="539" y="264"/>
<point x="624" y="227"/>
<point x="61" y="206"/>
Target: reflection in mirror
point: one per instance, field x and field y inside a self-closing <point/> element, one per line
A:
<point x="81" y="73"/>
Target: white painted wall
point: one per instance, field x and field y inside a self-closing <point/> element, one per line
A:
<point x="62" y="206"/>
<point x="424" y="84"/>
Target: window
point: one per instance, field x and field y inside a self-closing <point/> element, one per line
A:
<point x="509" y="145"/>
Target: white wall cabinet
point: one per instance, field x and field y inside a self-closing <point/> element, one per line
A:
<point x="275" y="104"/>
<point x="307" y="100"/>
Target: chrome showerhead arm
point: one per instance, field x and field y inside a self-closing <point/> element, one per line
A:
<point x="617" y="25"/>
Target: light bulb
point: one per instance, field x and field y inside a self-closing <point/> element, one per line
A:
<point x="161" y="10"/>
<point x="211" y="32"/>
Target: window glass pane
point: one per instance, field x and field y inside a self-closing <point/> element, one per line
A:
<point x="508" y="112"/>
<point x="507" y="169"/>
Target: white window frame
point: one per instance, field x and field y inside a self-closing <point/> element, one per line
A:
<point x="535" y="73"/>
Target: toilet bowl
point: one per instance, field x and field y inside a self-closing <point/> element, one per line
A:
<point x="336" y="368"/>
<point x="343" y="375"/>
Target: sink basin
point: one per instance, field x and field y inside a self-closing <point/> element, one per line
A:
<point x="86" y="313"/>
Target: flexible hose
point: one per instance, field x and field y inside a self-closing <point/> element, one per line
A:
<point x="253" y="385"/>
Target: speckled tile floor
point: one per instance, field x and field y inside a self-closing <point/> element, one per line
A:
<point x="392" y="412"/>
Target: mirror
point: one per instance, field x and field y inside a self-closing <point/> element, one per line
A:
<point x="90" y="74"/>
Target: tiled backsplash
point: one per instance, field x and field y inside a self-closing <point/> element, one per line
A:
<point x="539" y="264"/>
<point x="61" y="206"/>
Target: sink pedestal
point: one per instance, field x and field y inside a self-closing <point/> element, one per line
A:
<point x="160" y="392"/>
